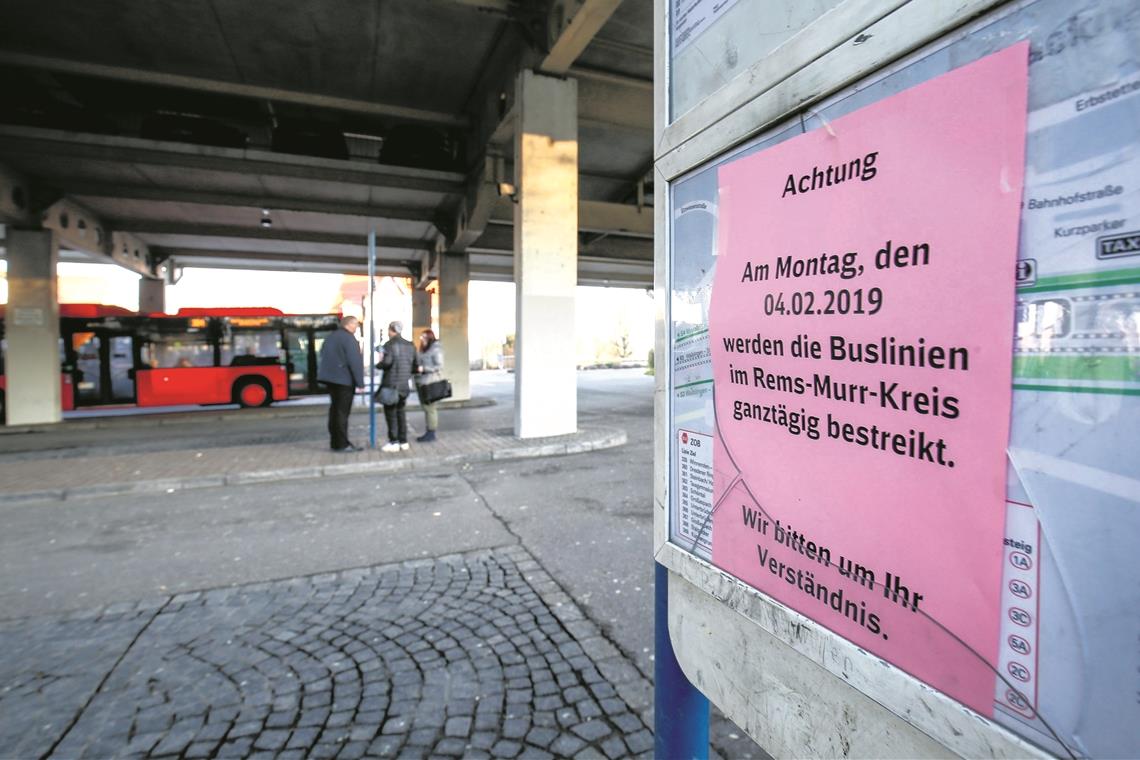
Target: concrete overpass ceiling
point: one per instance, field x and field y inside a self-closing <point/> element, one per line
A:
<point x="612" y="154"/>
<point x="404" y="51"/>
<point x="625" y="44"/>
<point x="180" y="120"/>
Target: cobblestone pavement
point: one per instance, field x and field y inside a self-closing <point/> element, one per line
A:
<point x="473" y="655"/>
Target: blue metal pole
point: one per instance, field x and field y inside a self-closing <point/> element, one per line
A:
<point x="372" y="339"/>
<point x="681" y="712"/>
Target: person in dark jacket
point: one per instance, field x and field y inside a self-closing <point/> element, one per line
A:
<point x="398" y="361"/>
<point x="429" y="368"/>
<point x="341" y="369"/>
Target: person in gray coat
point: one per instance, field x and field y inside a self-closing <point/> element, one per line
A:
<point x="430" y="367"/>
<point x="398" y="361"/>
<point x="341" y="369"/>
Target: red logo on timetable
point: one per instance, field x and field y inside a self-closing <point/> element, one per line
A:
<point x="684" y="437"/>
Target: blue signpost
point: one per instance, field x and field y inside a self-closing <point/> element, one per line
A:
<point x="372" y="339"/>
<point x="681" y="712"/>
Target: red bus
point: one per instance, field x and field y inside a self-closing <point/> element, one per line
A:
<point x="246" y="356"/>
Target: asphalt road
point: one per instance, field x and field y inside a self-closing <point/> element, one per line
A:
<point x="587" y="518"/>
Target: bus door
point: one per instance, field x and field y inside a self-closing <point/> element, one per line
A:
<point x="302" y="359"/>
<point x="120" y="384"/>
<point x="103" y="361"/>
<point x="88" y="377"/>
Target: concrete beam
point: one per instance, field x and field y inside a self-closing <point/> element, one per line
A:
<point x="505" y="274"/>
<point x="29" y="142"/>
<point x="145" y="227"/>
<point x="283" y="262"/>
<point x="610" y="77"/>
<point x="469" y="219"/>
<point x="573" y="24"/>
<point x="500" y="237"/>
<point x="238" y="89"/>
<point x="240" y="200"/>
<point x="597" y="217"/>
<point x="498" y="7"/>
<point x="485" y="264"/>
<point x="77" y="228"/>
<point x="15" y="197"/>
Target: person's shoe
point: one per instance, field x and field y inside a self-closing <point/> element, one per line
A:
<point x="427" y="437"/>
<point x="347" y="449"/>
<point x="404" y="447"/>
<point x="390" y="447"/>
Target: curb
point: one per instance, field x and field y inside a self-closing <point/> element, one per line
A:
<point x="594" y="439"/>
<point x="205" y="415"/>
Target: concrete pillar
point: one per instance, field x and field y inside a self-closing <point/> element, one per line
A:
<point x="31" y="329"/>
<point x="421" y="313"/>
<point x="546" y="255"/>
<point x="152" y="295"/>
<point x="453" y="278"/>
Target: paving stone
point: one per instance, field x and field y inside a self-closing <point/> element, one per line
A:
<point x="566" y="745"/>
<point x="236" y="748"/>
<point x="614" y="748"/>
<point x="385" y="746"/>
<point x="588" y="709"/>
<point x="353" y="750"/>
<point x="483" y="739"/>
<point x="542" y="737"/>
<point x="515" y="728"/>
<point x="450" y="747"/>
<point x="459" y="727"/>
<point x="628" y="722"/>
<point x="423" y="737"/>
<point x="303" y="737"/>
<point x="271" y="740"/>
<point x="506" y="748"/>
<point x="429" y="658"/>
<point x="195" y="750"/>
<point x="592" y="730"/>
<point x="642" y="741"/>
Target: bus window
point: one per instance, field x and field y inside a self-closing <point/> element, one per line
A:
<point x="178" y="350"/>
<point x="251" y="347"/>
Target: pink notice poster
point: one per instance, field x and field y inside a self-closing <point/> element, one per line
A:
<point x="861" y="327"/>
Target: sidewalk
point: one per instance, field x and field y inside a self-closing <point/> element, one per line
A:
<point x="59" y="479"/>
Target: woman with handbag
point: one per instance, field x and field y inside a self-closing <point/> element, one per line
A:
<point x="398" y="361"/>
<point x="430" y="366"/>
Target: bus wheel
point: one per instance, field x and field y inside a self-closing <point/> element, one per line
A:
<point x="252" y="391"/>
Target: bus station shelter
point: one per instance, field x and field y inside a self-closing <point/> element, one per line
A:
<point x="479" y="139"/>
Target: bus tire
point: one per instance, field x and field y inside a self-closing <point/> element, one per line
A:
<point x="252" y="392"/>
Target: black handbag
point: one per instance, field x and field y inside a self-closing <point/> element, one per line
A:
<point x="433" y="392"/>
